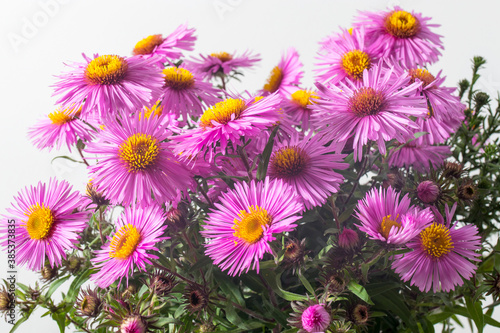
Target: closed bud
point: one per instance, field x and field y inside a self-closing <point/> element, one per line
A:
<point x="348" y="239"/>
<point x="428" y="191"/>
<point x="48" y="272"/>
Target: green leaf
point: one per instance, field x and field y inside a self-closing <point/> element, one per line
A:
<point x="359" y="291"/>
<point x="18" y="323"/>
<point x="56" y="284"/>
<point x="476" y="313"/>
<point x="74" y="289"/>
<point x="66" y="158"/>
<point x="306" y="284"/>
<point x="266" y="155"/>
<point x="60" y="319"/>
<point x="230" y="289"/>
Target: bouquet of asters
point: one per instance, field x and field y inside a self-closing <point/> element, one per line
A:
<point x="365" y="203"/>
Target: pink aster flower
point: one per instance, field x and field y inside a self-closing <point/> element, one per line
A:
<point x="222" y="62"/>
<point x="61" y="126"/>
<point x="418" y="155"/>
<point x="310" y="317"/>
<point x="345" y="55"/>
<point x="308" y="166"/>
<point x="404" y="37"/>
<point x="45" y="224"/>
<point x="185" y="93"/>
<point x="239" y="231"/>
<point x="298" y="108"/>
<point x="285" y="77"/>
<point x="376" y="109"/>
<point x="137" y="232"/>
<point x="440" y="256"/>
<point x="386" y="218"/>
<point x="446" y="112"/>
<point x="228" y="122"/>
<point x="135" y="164"/>
<point x="166" y="49"/>
<point x="109" y="83"/>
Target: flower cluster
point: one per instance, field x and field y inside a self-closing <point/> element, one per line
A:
<point x="255" y="204"/>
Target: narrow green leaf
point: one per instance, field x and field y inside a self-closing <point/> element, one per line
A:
<point x="74" y="289"/>
<point x="56" y="284"/>
<point x="359" y="291"/>
<point x="18" y="323"/>
<point x="266" y="155"/>
<point x="307" y="285"/>
<point x="476" y="313"/>
<point x="66" y="158"/>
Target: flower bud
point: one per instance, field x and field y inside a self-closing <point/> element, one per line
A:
<point x="348" y="239"/>
<point x="428" y="191"/>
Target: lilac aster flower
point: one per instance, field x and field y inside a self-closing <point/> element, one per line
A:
<point x="404" y="37"/>
<point x="166" y="49"/>
<point x="135" y="163"/>
<point x="308" y="166"/>
<point x="137" y="232"/>
<point x="228" y="121"/>
<point x="372" y="110"/>
<point x="418" y="155"/>
<point x="46" y="224"/>
<point x="285" y="77"/>
<point x="440" y="256"/>
<point x="345" y="55"/>
<point x="221" y="62"/>
<point x="239" y="230"/>
<point x="109" y="83"/>
<point x="185" y="93"/>
<point x="384" y="217"/>
<point x="61" y="126"/>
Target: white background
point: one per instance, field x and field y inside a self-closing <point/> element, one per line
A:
<point x="36" y="37"/>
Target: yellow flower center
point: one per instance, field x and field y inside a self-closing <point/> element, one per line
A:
<point x="139" y="152"/>
<point x="124" y="242"/>
<point x="421" y="74"/>
<point x="156" y="110"/>
<point x="436" y="240"/>
<point x="178" y="78"/>
<point x="402" y="24"/>
<point x="355" y="62"/>
<point x="222" y="56"/>
<point x="62" y="116"/>
<point x="222" y="112"/>
<point x="304" y="97"/>
<point x="105" y="70"/>
<point x="366" y="101"/>
<point x="387" y="224"/>
<point x="40" y="221"/>
<point x="147" y="45"/>
<point x="274" y="80"/>
<point x="249" y="226"/>
<point x="288" y="162"/>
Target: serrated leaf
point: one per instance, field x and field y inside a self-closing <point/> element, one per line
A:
<point x="359" y="291"/>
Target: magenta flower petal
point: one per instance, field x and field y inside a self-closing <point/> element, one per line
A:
<point x="239" y="230"/>
<point x="46" y="224"/>
<point x="138" y="230"/>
